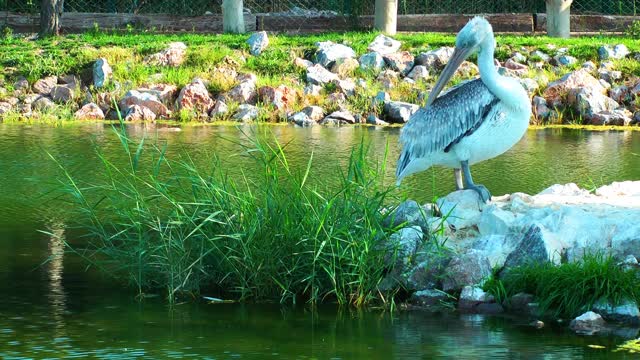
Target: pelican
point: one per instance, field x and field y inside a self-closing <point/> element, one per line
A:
<point x="472" y="122"/>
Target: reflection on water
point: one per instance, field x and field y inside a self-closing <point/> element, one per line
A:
<point x="53" y="307"/>
<point x="55" y="269"/>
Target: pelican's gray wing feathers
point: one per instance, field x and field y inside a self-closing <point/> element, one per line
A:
<point x="453" y="115"/>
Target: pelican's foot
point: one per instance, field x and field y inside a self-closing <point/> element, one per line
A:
<point x="484" y="193"/>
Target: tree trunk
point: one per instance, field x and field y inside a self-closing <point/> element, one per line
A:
<point x="559" y="18"/>
<point x="50" y="14"/>
<point x="232" y="16"/>
<point x="386" y="18"/>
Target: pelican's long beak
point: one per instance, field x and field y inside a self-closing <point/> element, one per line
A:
<point x="459" y="55"/>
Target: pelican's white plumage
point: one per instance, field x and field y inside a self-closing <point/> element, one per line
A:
<point x="472" y="122"/>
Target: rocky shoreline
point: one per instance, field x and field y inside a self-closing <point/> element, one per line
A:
<point x="455" y="245"/>
<point x="335" y="74"/>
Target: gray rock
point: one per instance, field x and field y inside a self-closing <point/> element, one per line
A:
<point x="243" y="93"/>
<point x="588" y="323"/>
<point x="61" y="94"/>
<point x="338" y="118"/>
<point x="537" y="246"/>
<point x="42" y="103"/>
<point x="174" y="55"/>
<point x="588" y="102"/>
<point x="618" y="117"/>
<point x="148" y="100"/>
<point x="246" y="113"/>
<point x="312" y="90"/>
<point x="496" y="247"/>
<point x="435" y="59"/>
<point x="5" y="107"/>
<point x="102" y="73"/>
<point x="302" y="63"/>
<point x="258" y="42"/>
<point x="44" y="86"/>
<point x="318" y="75"/>
<point x="564" y="60"/>
<point x="520" y="301"/>
<point x="627" y="311"/>
<point x="399" y="112"/>
<point x="538" y="54"/>
<point x="346" y="86"/>
<point x="589" y="65"/>
<point x="529" y="85"/>
<point x="419" y="72"/>
<point x="219" y="109"/>
<point x="575" y="80"/>
<point x="90" y="111"/>
<point x="609" y="75"/>
<point x="620" y="94"/>
<point x="403" y="246"/>
<point x="381" y="98"/>
<point x="21" y="85"/>
<point x="462" y="208"/>
<point x="139" y="113"/>
<point x="372" y="119"/>
<point x="345" y="67"/>
<point x="372" y="61"/>
<point x="472" y="296"/>
<point x="329" y="52"/>
<point x="619" y="51"/>
<point x="469" y="268"/>
<point x="540" y="108"/>
<point x="409" y="213"/>
<point x="301" y="119"/>
<point x="384" y="45"/>
<point x="519" y="58"/>
<point x="401" y="62"/>
<point x="315" y="113"/>
<point x="429" y="297"/>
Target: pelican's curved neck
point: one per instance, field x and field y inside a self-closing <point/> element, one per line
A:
<point x="488" y="72"/>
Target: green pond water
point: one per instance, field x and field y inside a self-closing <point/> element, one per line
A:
<point x="56" y="309"/>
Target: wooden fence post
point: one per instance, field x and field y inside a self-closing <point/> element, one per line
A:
<point x="559" y="18"/>
<point x="386" y="17"/>
<point x="233" y="16"/>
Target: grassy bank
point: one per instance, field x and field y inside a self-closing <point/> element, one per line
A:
<point x="168" y="226"/>
<point x="75" y="54"/>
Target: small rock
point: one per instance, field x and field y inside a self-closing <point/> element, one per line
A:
<point x="609" y="75"/>
<point x="537" y="245"/>
<point x="469" y="268"/>
<point x="90" y="111"/>
<point x="589" y="65"/>
<point x="318" y="75"/>
<point x="219" y="110"/>
<point x="21" y="84"/>
<point x="315" y="113"/>
<point x="429" y="297"/>
<point x="282" y="97"/>
<point x="61" y="94"/>
<point x="243" y="93"/>
<point x="246" y="113"/>
<point x="301" y="119"/>
<point x="345" y="67"/>
<point x="409" y="213"/>
<point x="329" y="52"/>
<point x="338" y="118"/>
<point x="42" y="103"/>
<point x="372" y="119"/>
<point x="537" y="54"/>
<point x="166" y="93"/>
<point x="419" y="72"/>
<point x="588" y="323"/>
<point x="540" y="109"/>
<point x="619" y="51"/>
<point x="195" y="97"/>
<point x="401" y="62"/>
<point x="5" y="107"/>
<point x="337" y="98"/>
<point x="529" y="85"/>
<point x="472" y="296"/>
<point x="139" y="113"/>
<point x="404" y="245"/>
<point x="302" y="63"/>
<point x="173" y="55"/>
<point x="519" y="58"/>
<point x="620" y="94"/>
<point x="565" y="60"/>
<point x="519" y="69"/>
<point x="384" y="45"/>
<point x="618" y="117"/>
<point x="537" y="324"/>
<point x="44" y="86"/>
<point x="102" y="73"/>
<point x="399" y="112"/>
<point x="435" y="59"/>
<point x="258" y="42"/>
<point x="519" y="301"/>
<point x="347" y="86"/>
<point x="372" y="61"/>
<point x="607" y="65"/>
<point x="150" y="101"/>
<point x="312" y="90"/>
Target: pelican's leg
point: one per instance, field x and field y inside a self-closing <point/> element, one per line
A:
<point x="457" y="173"/>
<point x="484" y="193"/>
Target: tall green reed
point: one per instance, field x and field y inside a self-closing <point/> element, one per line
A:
<point x="174" y="224"/>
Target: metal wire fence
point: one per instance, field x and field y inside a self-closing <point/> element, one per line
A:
<point x="326" y="7"/>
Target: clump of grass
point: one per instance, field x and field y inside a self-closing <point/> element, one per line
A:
<point x="163" y="223"/>
<point x="570" y="288"/>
